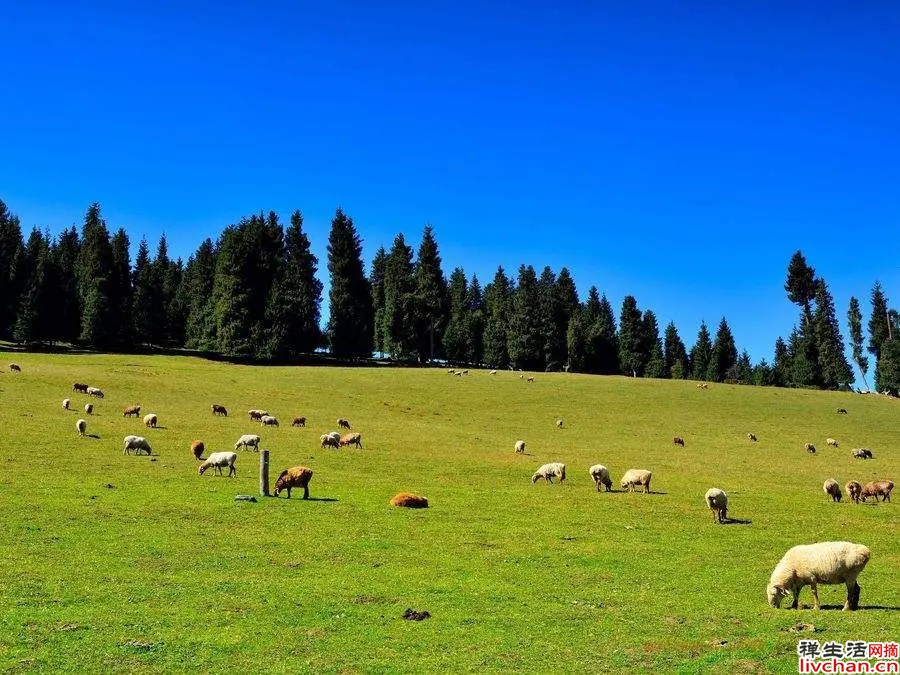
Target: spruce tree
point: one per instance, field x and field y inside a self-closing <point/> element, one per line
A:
<point x="497" y="307"/>
<point x="652" y="347"/>
<point x="565" y="305"/>
<point x="120" y="292"/>
<point x="376" y="279"/>
<point x="67" y="324"/>
<point x="400" y="302"/>
<point x="724" y="353"/>
<point x="781" y="366"/>
<point x="676" y="358"/>
<point x="144" y="296"/>
<point x="456" y="333"/>
<point x="200" y="328"/>
<point x="887" y="370"/>
<point x="603" y="339"/>
<point x="632" y="357"/>
<point x="177" y="303"/>
<point x="526" y="337"/>
<point x="231" y="296"/>
<point x="11" y="249"/>
<point x="553" y="347"/>
<point x="350" y="324"/>
<point x="804" y="359"/>
<point x="801" y="284"/>
<point x="577" y="340"/>
<point x="475" y="328"/>
<point x="833" y="366"/>
<point x="33" y="299"/>
<point x="430" y="299"/>
<point x="879" y="322"/>
<point x="94" y="272"/>
<point x="701" y="353"/>
<point x="854" y="323"/>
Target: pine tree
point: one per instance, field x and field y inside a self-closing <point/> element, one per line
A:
<point x="676" y="358"/>
<point x="120" y="289"/>
<point x="350" y="325"/>
<point x="143" y="296"/>
<point x="33" y="300"/>
<point x="781" y="366"/>
<point x="475" y="323"/>
<point x="763" y="374"/>
<point x="176" y="308"/>
<point x="652" y="347"/>
<point x="887" y="370"/>
<point x="376" y="278"/>
<point x="526" y="337"/>
<point x="804" y="359"/>
<point x="456" y="334"/>
<point x="231" y="297"/>
<point x="724" y="353"/>
<point x="833" y="366"/>
<point x="603" y="339"/>
<point x="94" y="272"/>
<point x="11" y="250"/>
<point x="854" y="323"/>
<point x="430" y="299"/>
<point x="801" y="284"/>
<point x="565" y="305"/>
<point x="200" y="332"/>
<point x="701" y="353"/>
<point x="577" y="340"/>
<point x="879" y="322"/>
<point x="632" y="358"/>
<point x="399" y="302"/>
<point x="497" y="306"/>
<point x="550" y="319"/>
<point x="67" y="324"/>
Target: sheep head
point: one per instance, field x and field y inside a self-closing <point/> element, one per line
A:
<point x="535" y="478"/>
<point x="203" y="467"/>
<point x="775" y="595"/>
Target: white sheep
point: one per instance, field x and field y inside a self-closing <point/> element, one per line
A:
<point x="247" y="441"/>
<point x="520" y="447"/>
<point x="717" y="502"/>
<point x="832" y="489"/>
<point x="548" y="471"/>
<point x="634" y="477"/>
<point x="65" y="403"/>
<point x="88" y="408"/>
<point x="331" y="440"/>
<point x="559" y="423"/>
<point x="81" y="427"/>
<point x="832" y="442"/>
<point x="600" y="474"/>
<point x="151" y="420"/>
<point x="493" y="372"/>
<point x="268" y="420"/>
<point x="136" y="443"/>
<point x="95" y="391"/>
<point x="219" y="460"/>
<point x="828" y="562"/>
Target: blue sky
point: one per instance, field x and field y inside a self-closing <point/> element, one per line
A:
<point x="678" y="152"/>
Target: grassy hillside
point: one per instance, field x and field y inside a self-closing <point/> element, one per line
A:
<point x="119" y="562"/>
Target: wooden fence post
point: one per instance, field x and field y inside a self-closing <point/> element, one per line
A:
<point x="264" y="473"/>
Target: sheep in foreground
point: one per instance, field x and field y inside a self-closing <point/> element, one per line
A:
<point x="549" y="471"/>
<point x="853" y="489"/>
<point x="600" y="474"/>
<point x="299" y="422"/>
<point x="151" y="420"/>
<point x="343" y="424"/>
<point x="132" y="411"/>
<point x="94" y="391"/>
<point x="330" y="440"/>
<point x="88" y="408"/>
<point x="351" y="439"/>
<point x="65" y="404"/>
<point x="717" y="502"/>
<point x="829" y="562"/>
<point x="876" y="489"/>
<point x="219" y="460"/>
<point x="247" y="441"/>
<point x="219" y="410"/>
<point x="295" y="477"/>
<point x="810" y="448"/>
<point x="14" y="367"/>
<point x="635" y="477"/>
<point x="136" y="443"/>
<point x="678" y="440"/>
<point x="520" y="447"/>
<point x="752" y="437"/>
<point x="862" y="453"/>
<point x="81" y="427"/>
<point x="268" y="421"/>
<point x="832" y="489"/>
<point x="832" y="442"/>
<point x="409" y="500"/>
<point x="197" y="449"/>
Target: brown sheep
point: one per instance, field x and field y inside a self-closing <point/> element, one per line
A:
<point x="351" y="439"/>
<point x="219" y="410"/>
<point x="409" y="500"/>
<point x="853" y="489"/>
<point x="295" y="477"/>
<point x="299" y="422"/>
<point x="343" y="424"/>
<point x="678" y="440"/>
<point x="15" y="368"/>
<point x="78" y="386"/>
<point x="877" y="488"/>
<point x="862" y="453"/>
<point x="197" y="449"/>
<point x="832" y="489"/>
<point x="132" y="410"/>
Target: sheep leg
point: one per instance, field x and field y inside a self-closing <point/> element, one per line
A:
<point x="853" y="590"/>
<point x="305" y="492"/>
<point x="289" y="492"/>
<point x="796" y="594"/>
<point x="815" y="593"/>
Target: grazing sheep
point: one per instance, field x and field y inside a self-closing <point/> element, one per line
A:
<point x="257" y="414"/>
<point x="520" y="447"/>
<point x="465" y="372"/>
<point x="832" y="489"/>
<point x="219" y="460"/>
<point x="150" y="420"/>
<point x="829" y="562"/>
<point x="559" y="423"/>
<point x="877" y="488"/>
<point x="600" y="474"/>
<point x="702" y="385"/>
<point x="678" y="440"/>
<point x="451" y="371"/>
<point x="458" y="373"/>
<point x="717" y="501"/>
<point x="134" y="410"/>
<point x="295" y="477"/>
<point x="832" y="442"/>
<point x="634" y="477"/>
<point x="343" y="424"/>
<point x="493" y="372"/>
<point x="94" y="391"/>
<point x="351" y="439"/>
<point x="529" y="379"/>
<point x="862" y="453"/>
<point x="842" y="411"/>
<point x="136" y="443"/>
<point x="247" y="441"/>
<point x="81" y="427"/>
<point x="78" y="386"/>
<point x="65" y="404"/>
<point x="810" y="448"/>
<point x="299" y="422"/>
<point x="268" y="421"/>
<point x="752" y="437"/>
<point x="548" y="471"/>
<point x="409" y="501"/>
<point x="14" y="367"/>
<point x="89" y="408"/>
<point x="331" y="440"/>
<point x="853" y="489"/>
<point x="197" y="449"/>
<point x="219" y="410"/>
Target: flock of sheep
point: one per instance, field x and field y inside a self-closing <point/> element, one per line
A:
<point x="813" y="564"/>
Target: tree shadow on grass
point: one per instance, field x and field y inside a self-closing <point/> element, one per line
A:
<point x="737" y="521"/>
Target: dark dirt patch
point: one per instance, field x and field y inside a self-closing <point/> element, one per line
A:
<point x="414" y="615"/>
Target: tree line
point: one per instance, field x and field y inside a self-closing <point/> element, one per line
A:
<point x="255" y="293"/>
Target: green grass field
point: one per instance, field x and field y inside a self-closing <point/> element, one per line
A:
<point x="165" y="571"/>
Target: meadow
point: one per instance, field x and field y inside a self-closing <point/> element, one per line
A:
<point x="111" y="562"/>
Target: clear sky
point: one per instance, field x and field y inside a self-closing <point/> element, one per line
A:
<point x="679" y="152"/>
